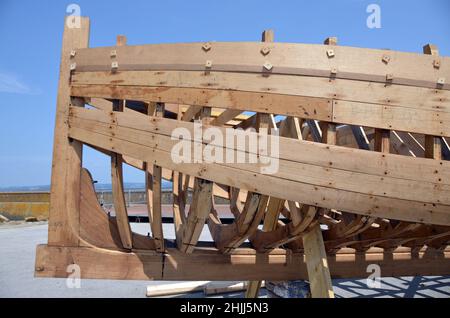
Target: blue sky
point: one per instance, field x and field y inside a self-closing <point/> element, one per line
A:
<point x="31" y="33"/>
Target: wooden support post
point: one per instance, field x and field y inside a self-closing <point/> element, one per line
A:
<point x="314" y="247"/>
<point x="433" y="146"/>
<point x="153" y="177"/>
<point x="63" y="226"/>
<point x="120" y="207"/>
<point x="273" y="209"/>
<point x="382" y="140"/>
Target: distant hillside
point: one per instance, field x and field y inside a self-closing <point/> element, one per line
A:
<point x="98" y="187"/>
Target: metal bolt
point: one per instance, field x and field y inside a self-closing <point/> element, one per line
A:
<point x="73" y="53"/>
<point x="386" y="58"/>
<point x="73" y="66"/>
<point x="113" y="53"/>
<point x="334" y="71"/>
<point x="265" y="50"/>
<point x="389" y="77"/>
<point x="114" y="66"/>
<point x="268" y="66"/>
<point x="437" y="63"/>
<point x="207" y="46"/>
<point x="441" y="80"/>
<point x="330" y="53"/>
<point x="208" y="64"/>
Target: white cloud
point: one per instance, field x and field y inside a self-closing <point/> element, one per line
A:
<point x="10" y="83"/>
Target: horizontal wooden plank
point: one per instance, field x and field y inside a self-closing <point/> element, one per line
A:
<point x="306" y="107"/>
<point x="409" y="119"/>
<point x="138" y="144"/>
<point x="382" y="165"/>
<point x="286" y="58"/>
<point x="393" y="118"/>
<point x="244" y="264"/>
<point x="307" y="86"/>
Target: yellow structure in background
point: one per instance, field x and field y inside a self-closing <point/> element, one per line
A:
<point x="20" y="205"/>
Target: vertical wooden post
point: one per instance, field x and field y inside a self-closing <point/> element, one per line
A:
<point x="153" y="179"/>
<point x="314" y="247"/>
<point x="63" y="226"/>
<point x="433" y="146"/>
<point x="272" y="214"/>
<point x="117" y="179"/>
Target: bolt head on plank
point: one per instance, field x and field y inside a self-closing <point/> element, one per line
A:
<point x="73" y="53"/>
<point x="441" y="81"/>
<point x="208" y="64"/>
<point x="330" y="53"/>
<point x="268" y="66"/>
<point x="113" y="53"/>
<point x="265" y="50"/>
<point x="206" y="47"/>
<point x="389" y="77"/>
<point x="386" y="58"/>
<point x="437" y="63"/>
<point x="334" y="71"/>
<point x="114" y="66"/>
<point x="331" y="41"/>
<point x="73" y="66"/>
<point x="430" y="49"/>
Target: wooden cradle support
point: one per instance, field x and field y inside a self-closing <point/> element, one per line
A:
<point x="362" y="177"/>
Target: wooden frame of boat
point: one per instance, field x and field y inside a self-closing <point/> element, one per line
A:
<point x="363" y="174"/>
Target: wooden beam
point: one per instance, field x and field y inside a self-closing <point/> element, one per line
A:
<point x="433" y="146"/>
<point x="293" y="185"/>
<point x="63" y="224"/>
<point x="287" y="58"/>
<point x="244" y="264"/>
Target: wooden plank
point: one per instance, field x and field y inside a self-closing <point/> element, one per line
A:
<point x="287" y="58"/>
<point x="225" y="117"/>
<point x="338" y="162"/>
<point x="63" y="224"/>
<point x="176" y="289"/>
<point x="391" y="118"/>
<point x="245" y="264"/>
<point x="313" y="87"/>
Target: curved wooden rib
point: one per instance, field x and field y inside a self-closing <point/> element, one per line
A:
<point x="96" y="228"/>
<point x="231" y="236"/>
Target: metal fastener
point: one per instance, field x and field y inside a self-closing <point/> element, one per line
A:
<point x="330" y="53"/>
<point x="113" y="53"/>
<point x="207" y="46"/>
<point x="389" y="77"/>
<point x="265" y="50"/>
<point x="208" y="64"/>
<point x="441" y="81"/>
<point x="73" y="66"/>
<point x="386" y="58"/>
<point x="268" y="66"/>
<point x="437" y="63"/>
<point x="114" y="66"/>
<point x="334" y="71"/>
<point x="73" y="53"/>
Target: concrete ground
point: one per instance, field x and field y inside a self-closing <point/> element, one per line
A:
<point x="17" y="252"/>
